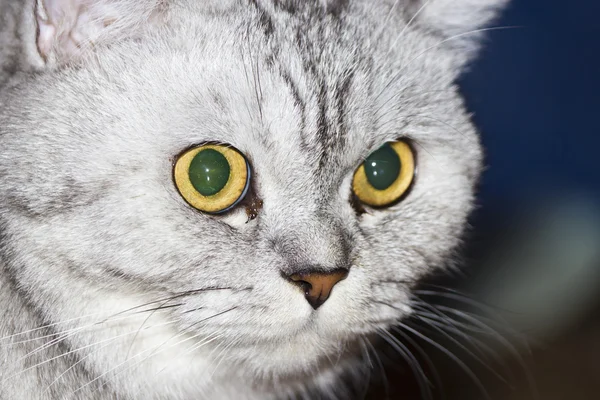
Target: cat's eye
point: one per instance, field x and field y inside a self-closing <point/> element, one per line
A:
<point x="212" y="178"/>
<point x="386" y="175"/>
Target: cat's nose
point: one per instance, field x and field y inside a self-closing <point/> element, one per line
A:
<point x="317" y="286"/>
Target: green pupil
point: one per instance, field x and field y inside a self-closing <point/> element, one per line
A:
<point x="209" y="172"/>
<point x="382" y="167"/>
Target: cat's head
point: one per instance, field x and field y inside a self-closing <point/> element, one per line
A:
<point x="93" y="219"/>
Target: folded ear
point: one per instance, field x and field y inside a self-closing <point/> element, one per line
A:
<point x="66" y="28"/>
<point x="458" y="21"/>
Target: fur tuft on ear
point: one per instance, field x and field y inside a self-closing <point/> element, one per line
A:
<point x="66" y="28"/>
<point x="459" y="21"/>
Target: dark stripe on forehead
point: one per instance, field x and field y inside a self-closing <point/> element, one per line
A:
<point x="341" y="95"/>
<point x="312" y="27"/>
<point x="333" y="7"/>
<point x="265" y="19"/>
<point x="298" y="100"/>
<point x="323" y="124"/>
<point x="332" y="125"/>
<point x="288" y="6"/>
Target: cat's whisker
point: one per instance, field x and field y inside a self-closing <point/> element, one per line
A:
<point x="447" y="320"/>
<point x="221" y="355"/>
<point x="479" y="326"/>
<point x="442" y="122"/>
<point x="212" y="316"/>
<point x="79" y="328"/>
<point x="26" y="332"/>
<point x="365" y="352"/>
<point x="328" y="357"/>
<point x="109" y="340"/>
<point x="109" y="343"/>
<point x="418" y="142"/>
<point x="154" y="350"/>
<point x="464" y="348"/>
<point x="386" y="21"/>
<point x="160" y="307"/>
<point x="408" y="25"/>
<point x="428" y="361"/>
<point x="406" y="282"/>
<point x="196" y="346"/>
<point x="400" y="72"/>
<point x="505" y="343"/>
<point x="487" y="324"/>
<point x="339" y="352"/>
<point x="48" y="344"/>
<point x="74" y="365"/>
<point x="62" y="337"/>
<point x="449" y="354"/>
<point x="255" y="77"/>
<point x="467" y="332"/>
<point x="112" y="316"/>
<point x="415" y="366"/>
<point x="492" y="311"/>
<point x="433" y="311"/>
<point x="455" y="295"/>
<point x="366" y="357"/>
<point x="396" y="119"/>
<point x="386" y="385"/>
<point x="483" y="349"/>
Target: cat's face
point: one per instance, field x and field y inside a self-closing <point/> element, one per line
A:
<point x="94" y="221"/>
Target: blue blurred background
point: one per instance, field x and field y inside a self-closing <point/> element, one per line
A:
<point x="534" y="248"/>
<point x="534" y="92"/>
<point x="535" y="95"/>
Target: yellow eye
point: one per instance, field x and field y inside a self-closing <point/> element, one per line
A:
<point x="212" y="178"/>
<point x="385" y="175"/>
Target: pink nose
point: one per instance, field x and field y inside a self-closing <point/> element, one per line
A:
<point x="317" y="286"/>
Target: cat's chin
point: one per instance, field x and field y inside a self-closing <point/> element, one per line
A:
<point x="294" y="364"/>
<point x="296" y="358"/>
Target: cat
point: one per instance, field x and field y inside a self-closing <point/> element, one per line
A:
<point x="119" y="279"/>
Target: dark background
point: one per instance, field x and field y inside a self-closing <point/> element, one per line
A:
<point x="535" y="95"/>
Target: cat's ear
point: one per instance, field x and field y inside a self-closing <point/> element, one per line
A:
<point x="459" y="22"/>
<point x="66" y="28"/>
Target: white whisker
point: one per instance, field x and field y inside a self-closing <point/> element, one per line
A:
<point x="448" y="353"/>
<point x="79" y="349"/>
<point x="449" y="39"/>
<point x="422" y="379"/>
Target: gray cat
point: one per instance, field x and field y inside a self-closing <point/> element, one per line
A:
<point x="223" y="199"/>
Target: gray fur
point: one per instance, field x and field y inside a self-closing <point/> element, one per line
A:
<point x="92" y="225"/>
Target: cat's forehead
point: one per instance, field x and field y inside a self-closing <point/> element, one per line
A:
<point x="292" y="74"/>
<point x="270" y="84"/>
<point x="298" y="89"/>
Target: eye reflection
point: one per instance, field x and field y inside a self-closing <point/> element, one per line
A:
<point x="382" y="167"/>
<point x="209" y="172"/>
<point x="212" y="178"/>
<point x="385" y="175"/>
